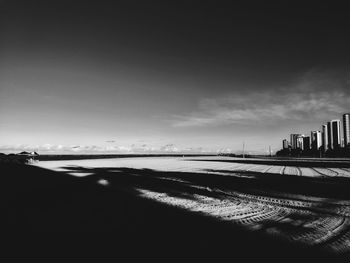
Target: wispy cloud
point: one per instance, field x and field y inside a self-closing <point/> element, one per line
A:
<point x="314" y="96"/>
<point x="98" y="149"/>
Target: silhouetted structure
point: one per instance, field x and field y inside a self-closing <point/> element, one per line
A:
<point x="332" y="141"/>
<point x="316" y="140"/>
<point x="346" y="129"/>
<point x="306" y="143"/>
<point x="300" y="142"/>
<point x="324" y="137"/>
<point x="294" y="140"/>
<point x="285" y="144"/>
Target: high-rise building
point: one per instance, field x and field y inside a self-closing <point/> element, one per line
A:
<point x="285" y="144"/>
<point x="346" y="129"/>
<point x="306" y="143"/>
<point x="316" y="140"/>
<point x="294" y="140"/>
<point x="325" y="137"/>
<point x="329" y="135"/>
<point x="336" y="134"/>
<point x="334" y="139"/>
<point x="300" y="142"/>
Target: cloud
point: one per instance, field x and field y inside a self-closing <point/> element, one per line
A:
<point x="314" y="96"/>
<point x="169" y="148"/>
<point x="98" y="149"/>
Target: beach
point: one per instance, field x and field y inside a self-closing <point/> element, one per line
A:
<point x="255" y="204"/>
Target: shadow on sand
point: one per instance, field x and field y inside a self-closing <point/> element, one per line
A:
<point x="35" y="199"/>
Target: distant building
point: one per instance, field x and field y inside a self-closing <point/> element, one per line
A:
<point x="306" y="143"/>
<point x="316" y="140"/>
<point x="300" y="142"/>
<point x="294" y="140"/>
<point x="336" y="134"/>
<point x="331" y="141"/>
<point x="334" y="139"/>
<point x="325" y="137"/>
<point x="329" y="135"/>
<point x="346" y="129"/>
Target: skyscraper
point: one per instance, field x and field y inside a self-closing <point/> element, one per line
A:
<point x="316" y="140"/>
<point x="334" y="140"/>
<point x="300" y="142"/>
<point x="294" y="140"/>
<point x="325" y="137"/>
<point x="346" y="129"/>
<point x="329" y="135"/>
<point x="306" y="143"/>
<point x="285" y="144"/>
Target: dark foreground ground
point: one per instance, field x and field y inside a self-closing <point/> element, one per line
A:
<point x="60" y="209"/>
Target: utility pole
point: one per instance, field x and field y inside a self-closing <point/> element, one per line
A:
<point x="270" y="150"/>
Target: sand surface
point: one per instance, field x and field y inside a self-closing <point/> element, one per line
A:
<point x="300" y="204"/>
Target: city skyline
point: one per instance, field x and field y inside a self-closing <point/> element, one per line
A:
<point x="182" y="76"/>
<point x="333" y="135"/>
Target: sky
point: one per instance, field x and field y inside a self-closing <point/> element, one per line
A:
<point x="169" y="76"/>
